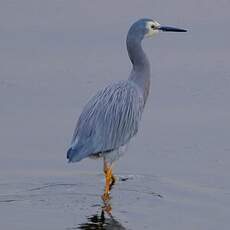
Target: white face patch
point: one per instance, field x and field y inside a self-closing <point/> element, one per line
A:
<point x="152" y="26"/>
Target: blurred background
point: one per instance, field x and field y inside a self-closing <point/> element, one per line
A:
<point x="54" y="55"/>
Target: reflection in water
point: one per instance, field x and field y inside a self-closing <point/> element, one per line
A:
<point x="100" y="222"/>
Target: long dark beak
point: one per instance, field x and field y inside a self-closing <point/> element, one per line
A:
<point x="171" y="29"/>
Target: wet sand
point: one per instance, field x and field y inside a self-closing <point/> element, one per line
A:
<point x="54" y="55"/>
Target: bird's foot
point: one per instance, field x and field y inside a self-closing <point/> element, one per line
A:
<point x="106" y="197"/>
<point x="107" y="208"/>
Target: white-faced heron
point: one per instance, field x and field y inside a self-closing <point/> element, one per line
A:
<point x="111" y="118"/>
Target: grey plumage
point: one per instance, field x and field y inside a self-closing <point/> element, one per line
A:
<point x="108" y="121"/>
<point x="111" y="118"/>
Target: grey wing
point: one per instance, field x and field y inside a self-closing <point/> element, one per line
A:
<point x="108" y="121"/>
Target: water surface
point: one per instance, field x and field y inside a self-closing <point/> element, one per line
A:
<point x="54" y="55"/>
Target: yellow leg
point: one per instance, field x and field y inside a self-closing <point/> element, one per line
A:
<point x="109" y="180"/>
<point x="108" y="176"/>
<point x="113" y="181"/>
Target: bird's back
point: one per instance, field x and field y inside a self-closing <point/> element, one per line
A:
<point x="108" y="121"/>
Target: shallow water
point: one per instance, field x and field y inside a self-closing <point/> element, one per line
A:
<point x="54" y="55"/>
<point x="141" y="202"/>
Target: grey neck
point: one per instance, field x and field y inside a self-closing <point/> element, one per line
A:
<point x="140" y="73"/>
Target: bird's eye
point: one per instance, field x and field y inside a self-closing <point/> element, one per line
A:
<point x="153" y="27"/>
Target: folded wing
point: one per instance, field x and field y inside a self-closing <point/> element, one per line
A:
<point x="109" y="120"/>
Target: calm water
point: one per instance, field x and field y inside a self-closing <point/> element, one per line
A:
<point x="54" y="55"/>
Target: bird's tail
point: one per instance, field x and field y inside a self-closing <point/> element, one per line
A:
<point x="74" y="155"/>
<point x="68" y="155"/>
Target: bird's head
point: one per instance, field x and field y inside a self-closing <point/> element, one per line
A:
<point x="148" y="28"/>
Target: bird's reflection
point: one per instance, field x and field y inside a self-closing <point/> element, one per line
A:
<point x="102" y="221"/>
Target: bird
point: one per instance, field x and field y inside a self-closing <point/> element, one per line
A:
<point x="111" y="118"/>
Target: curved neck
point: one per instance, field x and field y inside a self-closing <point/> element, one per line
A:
<point x="136" y="53"/>
<point x="140" y="73"/>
